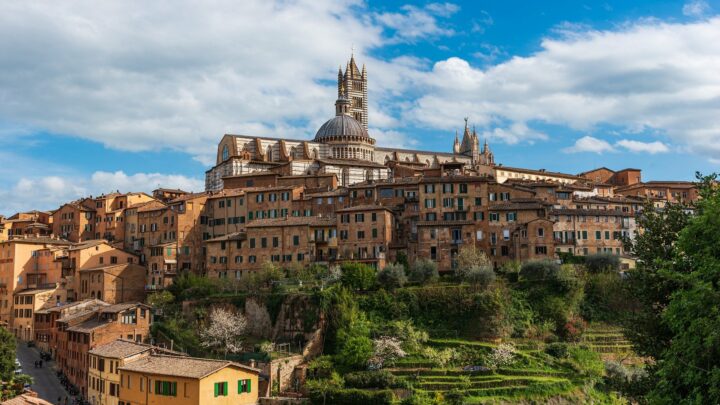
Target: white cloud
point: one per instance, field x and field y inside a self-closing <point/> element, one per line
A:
<point x="415" y="23"/>
<point x="646" y="147"/>
<point x="644" y="78"/>
<point x="696" y="8"/>
<point x="589" y="144"/>
<point x="47" y="193"/>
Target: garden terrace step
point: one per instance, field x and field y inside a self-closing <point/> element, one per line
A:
<point x="605" y="338"/>
<point x="434" y="372"/>
<point x="514" y="390"/>
<point x="611" y="348"/>
<point x="532" y="373"/>
<point x="497" y="383"/>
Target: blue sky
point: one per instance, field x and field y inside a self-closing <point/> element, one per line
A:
<point x="128" y="96"/>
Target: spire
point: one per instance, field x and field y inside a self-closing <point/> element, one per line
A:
<point x="456" y="145"/>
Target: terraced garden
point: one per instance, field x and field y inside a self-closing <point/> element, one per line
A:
<point x="535" y="375"/>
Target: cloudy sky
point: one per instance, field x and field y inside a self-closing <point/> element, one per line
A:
<point x="129" y="95"/>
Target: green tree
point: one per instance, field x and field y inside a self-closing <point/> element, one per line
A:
<point x="602" y="263"/>
<point x="689" y="366"/>
<point x="7" y="355"/>
<point x="357" y="276"/>
<point x="392" y="276"/>
<point x="651" y="284"/>
<point x="424" y="271"/>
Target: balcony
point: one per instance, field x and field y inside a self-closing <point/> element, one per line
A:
<point x="153" y="287"/>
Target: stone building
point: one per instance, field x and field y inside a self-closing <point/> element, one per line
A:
<point x="342" y="146"/>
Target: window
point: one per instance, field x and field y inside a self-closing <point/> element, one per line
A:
<point x="429" y="188"/>
<point x="374" y="216"/>
<point x="433" y="253"/>
<point x="541" y="232"/>
<point x="448" y="188"/>
<point x="359" y="217"/>
<point x="494" y="216"/>
<point x="166" y="388"/>
<point x="296" y="240"/>
<point x="463" y="188"/>
<point x="263" y="242"/>
<point x="541" y="250"/>
<point x="221" y="389"/>
<point x="276" y="241"/>
<point x="511" y="216"/>
<point x="478" y="216"/>
<point x="374" y="233"/>
<point x="598" y="235"/>
<point x="506" y="234"/>
<point x="429" y="203"/>
<point x="361" y="235"/>
<point x="244" y="386"/>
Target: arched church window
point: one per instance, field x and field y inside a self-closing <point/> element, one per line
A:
<point x="225" y="153"/>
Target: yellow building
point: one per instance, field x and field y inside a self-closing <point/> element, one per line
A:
<point x="162" y="379"/>
<point x="103" y="372"/>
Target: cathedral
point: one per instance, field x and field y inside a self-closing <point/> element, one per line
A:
<point x="342" y="146"/>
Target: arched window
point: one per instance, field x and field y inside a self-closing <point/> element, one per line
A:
<point x="369" y="175"/>
<point x="225" y="153"/>
<point x="269" y="154"/>
<point x="345" y="176"/>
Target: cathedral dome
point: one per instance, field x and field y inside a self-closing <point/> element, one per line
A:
<point x="341" y="126"/>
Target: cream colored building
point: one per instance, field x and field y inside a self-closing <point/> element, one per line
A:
<point x="25" y="304"/>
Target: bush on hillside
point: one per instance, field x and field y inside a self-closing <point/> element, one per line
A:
<point x="370" y="379"/>
<point x="353" y="396"/>
<point x="558" y="350"/>
<point x="602" y="263"/>
<point x="357" y="276"/>
<point x="480" y="276"/>
<point x="392" y="276"/>
<point x="424" y="271"/>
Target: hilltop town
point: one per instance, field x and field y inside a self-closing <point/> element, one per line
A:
<point x="84" y="283"/>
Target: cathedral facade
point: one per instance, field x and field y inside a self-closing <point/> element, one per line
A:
<point x="342" y="146"/>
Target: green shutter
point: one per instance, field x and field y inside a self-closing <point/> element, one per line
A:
<point x="239" y="386"/>
<point x="216" y="389"/>
<point x="248" y="386"/>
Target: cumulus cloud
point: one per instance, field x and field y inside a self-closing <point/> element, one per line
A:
<point x="646" y="147"/>
<point x="696" y="8"/>
<point x="647" y="77"/>
<point x="589" y="144"/>
<point x="414" y="23"/>
<point x="49" y="192"/>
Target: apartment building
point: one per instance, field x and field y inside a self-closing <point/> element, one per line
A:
<point x="364" y="233"/>
<point x="586" y="231"/>
<point x="31" y="223"/>
<point x="161" y="379"/>
<point x="104" y="368"/>
<point x="25" y="305"/>
<point x="113" y="283"/>
<point x="92" y="254"/>
<point x="84" y="331"/>
<point x="46" y="327"/>
<point x="75" y="221"/>
<point x="109" y="214"/>
<point x="18" y="265"/>
<point x="287" y="242"/>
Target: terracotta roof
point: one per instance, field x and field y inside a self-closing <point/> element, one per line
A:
<point x="537" y="172"/>
<point x="189" y="367"/>
<point x="122" y="307"/>
<point x="187" y="197"/>
<point x="26" y="399"/>
<point x="269" y="188"/>
<point x="516" y="206"/>
<point x="232" y="192"/>
<point x="292" y="221"/>
<point x="40" y="239"/>
<point x="67" y="305"/>
<point x="89" y="325"/>
<point x="107" y="266"/>
<point x="36" y="291"/>
<point x="120" y="349"/>
<point x="582" y="211"/>
<point x="88" y="244"/>
<point x="365" y="207"/>
<point x="230" y="236"/>
<point x="170" y="190"/>
<point x="151" y="206"/>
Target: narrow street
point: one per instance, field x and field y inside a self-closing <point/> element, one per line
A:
<point x="45" y="381"/>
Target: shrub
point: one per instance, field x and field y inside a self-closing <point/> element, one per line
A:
<point x="468" y="257"/>
<point x="573" y="329"/>
<point x="354" y="396"/>
<point x="455" y="397"/>
<point x="419" y="398"/>
<point x="602" y="263"/>
<point x="392" y="276"/>
<point x="481" y="276"/>
<point x="386" y="350"/>
<point x="320" y="367"/>
<point x="412" y="338"/>
<point x="424" y="271"/>
<point x="558" y="350"/>
<point x="357" y="276"/>
<point x="355" y="352"/>
<point x="441" y="358"/>
<point x="370" y="379"/>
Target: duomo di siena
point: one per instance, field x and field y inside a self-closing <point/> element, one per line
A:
<point x="342" y="146"/>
